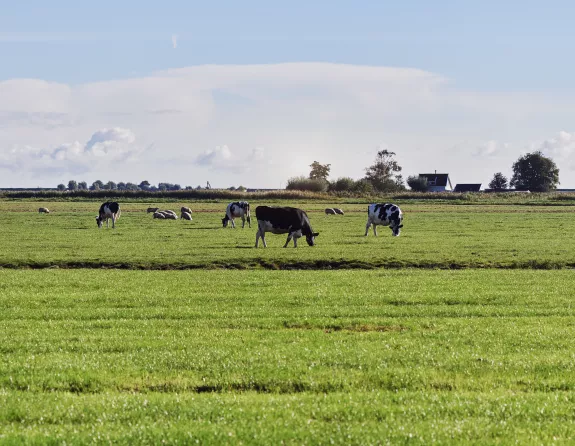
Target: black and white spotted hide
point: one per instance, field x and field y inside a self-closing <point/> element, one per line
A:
<point x="109" y="209"/>
<point x="386" y="214"/>
<point x="237" y="209"/>
<point x="284" y="220"/>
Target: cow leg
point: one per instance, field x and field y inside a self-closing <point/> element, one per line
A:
<point x="374" y="229"/>
<point x="243" y="221"/>
<point x="290" y="235"/>
<point x="233" y="224"/>
<point x="113" y="222"/>
<point x="249" y="222"/>
<point x="295" y="237"/>
<point x="264" y="239"/>
<point x="367" y="227"/>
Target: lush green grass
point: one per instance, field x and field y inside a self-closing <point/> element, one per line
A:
<point x="481" y="355"/>
<point x="444" y="236"/>
<point x="308" y="356"/>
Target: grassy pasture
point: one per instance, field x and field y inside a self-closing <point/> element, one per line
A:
<point x="215" y="354"/>
<point x="405" y="356"/>
<point x="442" y="236"/>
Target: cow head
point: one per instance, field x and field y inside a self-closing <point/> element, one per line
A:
<point x="225" y="221"/>
<point x="396" y="229"/>
<point x="310" y="238"/>
<point x="99" y="221"/>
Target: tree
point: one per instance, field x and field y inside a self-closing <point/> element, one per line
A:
<point x="384" y="174"/>
<point x="82" y="185"/>
<point x="72" y="185"/>
<point x="303" y="183"/>
<point x="110" y="185"/>
<point x="499" y="181"/>
<point x="535" y="172"/>
<point x="97" y="185"/>
<point x="342" y="184"/>
<point x="417" y="184"/>
<point x="363" y="187"/>
<point x="319" y="171"/>
<point x="61" y="187"/>
<point x="144" y="185"/>
<point x="121" y="185"/>
<point x="132" y="186"/>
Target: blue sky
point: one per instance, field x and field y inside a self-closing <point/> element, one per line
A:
<point x="511" y="53"/>
<point x="489" y="44"/>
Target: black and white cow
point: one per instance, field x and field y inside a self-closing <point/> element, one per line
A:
<point x="109" y="209"/>
<point x="237" y="209"/>
<point x="284" y="220"/>
<point x="386" y="214"/>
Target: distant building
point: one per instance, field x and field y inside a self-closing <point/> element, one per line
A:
<point x="436" y="182"/>
<point x="463" y="187"/>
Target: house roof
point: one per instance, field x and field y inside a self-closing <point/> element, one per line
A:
<point x="465" y="187"/>
<point x="435" y="179"/>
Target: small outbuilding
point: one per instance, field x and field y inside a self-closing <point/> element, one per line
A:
<point x="467" y="187"/>
<point x="436" y="182"/>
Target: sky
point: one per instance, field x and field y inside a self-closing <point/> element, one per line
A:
<point x="251" y="93"/>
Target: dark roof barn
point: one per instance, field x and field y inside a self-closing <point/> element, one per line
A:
<point x="463" y="187"/>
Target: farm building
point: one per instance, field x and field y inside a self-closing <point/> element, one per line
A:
<point x="436" y="182"/>
<point x="464" y="187"/>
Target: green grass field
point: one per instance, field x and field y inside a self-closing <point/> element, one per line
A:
<point x="434" y="236"/>
<point x="214" y="354"/>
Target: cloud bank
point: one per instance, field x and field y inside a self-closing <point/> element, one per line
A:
<point x="105" y="147"/>
<point x="269" y="122"/>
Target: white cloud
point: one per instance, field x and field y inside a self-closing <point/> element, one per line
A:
<point x="561" y="146"/>
<point x="222" y="159"/>
<point x="300" y="112"/>
<point x="106" y="139"/>
<point x="490" y="148"/>
<point x="105" y="147"/>
<point x="216" y="158"/>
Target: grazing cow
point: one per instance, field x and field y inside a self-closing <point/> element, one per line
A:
<point x="330" y="211"/>
<point x="186" y="216"/>
<point x="109" y="209"/>
<point x="44" y="211"/>
<point x="185" y="209"/>
<point x="338" y="211"/>
<point x="386" y="215"/>
<point x="235" y="210"/>
<point x="168" y="211"/>
<point x="152" y="210"/>
<point x="159" y="215"/>
<point x="284" y="220"/>
<point x="169" y="215"/>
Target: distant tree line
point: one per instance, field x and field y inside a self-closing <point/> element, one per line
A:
<point x="143" y="186"/>
<point x="533" y="171"/>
